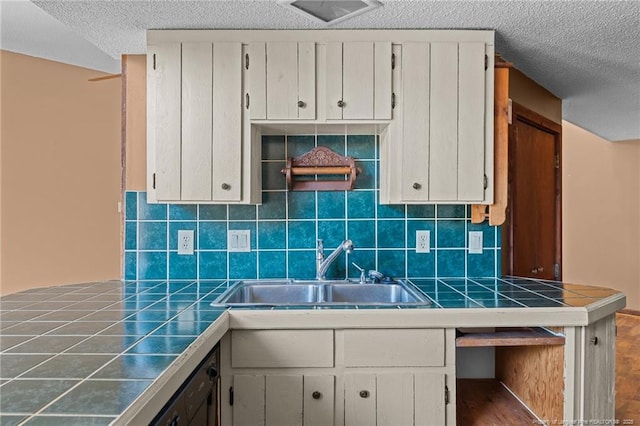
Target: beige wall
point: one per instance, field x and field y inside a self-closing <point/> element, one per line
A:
<point x="530" y="94"/>
<point x="601" y="212"/>
<point x="60" y="174"/>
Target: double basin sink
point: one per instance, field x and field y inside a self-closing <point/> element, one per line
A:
<point x="316" y="292"/>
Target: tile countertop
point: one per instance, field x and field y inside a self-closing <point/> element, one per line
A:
<point x="98" y="353"/>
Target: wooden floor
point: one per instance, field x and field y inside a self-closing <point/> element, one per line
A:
<point x="487" y="402"/>
<point x="628" y="369"/>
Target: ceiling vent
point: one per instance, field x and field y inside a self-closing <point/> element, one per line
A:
<point x="330" y="12"/>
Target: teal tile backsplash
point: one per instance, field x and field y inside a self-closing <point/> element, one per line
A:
<point x="285" y="227"/>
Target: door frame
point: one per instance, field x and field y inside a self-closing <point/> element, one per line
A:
<point x="521" y="113"/>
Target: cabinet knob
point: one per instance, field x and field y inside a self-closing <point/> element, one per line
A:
<point x="316" y="395"/>
<point x="416" y="185"/>
<point x="301" y="104"/>
<point x="364" y="394"/>
<point x="341" y="103"/>
<point x="594" y="340"/>
<point x="225" y="186"/>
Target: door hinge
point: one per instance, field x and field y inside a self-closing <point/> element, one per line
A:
<point x="231" y="395"/>
<point x="486" y="182"/>
<point x="486" y="62"/>
<point x="393" y="100"/>
<point x="556" y="270"/>
<point x="153" y="184"/>
<point x="509" y="111"/>
<point x="247" y="101"/>
<point x="557" y="161"/>
<point x="446" y="394"/>
<point x="154" y="61"/>
<point x="246" y="61"/>
<point x="393" y="61"/>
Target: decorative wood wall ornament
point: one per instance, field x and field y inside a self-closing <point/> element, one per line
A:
<point x="497" y="210"/>
<point x="302" y="172"/>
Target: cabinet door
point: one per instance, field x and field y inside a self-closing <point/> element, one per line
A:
<point x="283" y="405"/>
<point x="248" y="400"/>
<point x="195" y="122"/>
<point x="358" y="80"/>
<point x="443" y="148"/>
<point x="318" y="404"/>
<point x="279" y="399"/>
<point x="395" y="399"/>
<point x="360" y="399"/>
<point x="282" y="80"/>
<point x="430" y="399"/>
<point x="227" y="123"/>
<point x="164" y="105"/>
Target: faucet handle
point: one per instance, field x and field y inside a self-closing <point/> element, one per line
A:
<point x="363" y="278"/>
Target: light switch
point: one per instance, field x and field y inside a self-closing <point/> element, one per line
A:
<point x="239" y="240"/>
<point x="475" y="242"/>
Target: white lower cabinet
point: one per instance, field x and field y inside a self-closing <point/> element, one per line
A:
<point x="394" y="399"/>
<point x="281" y="399"/>
<point x="338" y="377"/>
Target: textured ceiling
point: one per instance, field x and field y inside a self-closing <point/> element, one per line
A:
<point x="585" y="52"/>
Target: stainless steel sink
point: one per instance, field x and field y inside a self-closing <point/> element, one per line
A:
<point x="315" y="292"/>
<point x="285" y="294"/>
<point x="370" y="293"/>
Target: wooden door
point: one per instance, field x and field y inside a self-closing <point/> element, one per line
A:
<point x="532" y="233"/>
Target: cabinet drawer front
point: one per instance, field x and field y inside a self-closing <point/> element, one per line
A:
<point x="281" y="348"/>
<point x="394" y="348"/>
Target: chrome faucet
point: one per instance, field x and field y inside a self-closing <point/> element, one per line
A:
<point x="323" y="263"/>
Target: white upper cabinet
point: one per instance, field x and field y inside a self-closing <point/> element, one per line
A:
<point x="282" y="80"/>
<point x="427" y="93"/>
<point x="358" y="81"/>
<point x="196" y="124"/>
<point x="439" y="147"/>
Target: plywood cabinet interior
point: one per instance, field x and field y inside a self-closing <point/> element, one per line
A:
<point x="199" y="137"/>
<point x="282" y="80"/>
<point x="358" y="81"/>
<point x="439" y="147"/>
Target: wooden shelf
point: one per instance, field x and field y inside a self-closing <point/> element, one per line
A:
<point x="519" y="336"/>
<point x="488" y="402"/>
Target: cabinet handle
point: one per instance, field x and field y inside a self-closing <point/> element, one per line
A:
<point x="341" y="103"/>
<point x="364" y="394"/>
<point x="225" y="186"/>
<point x="537" y="270"/>
<point x="301" y="104"/>
<point x="416" y="185"/>
<point x="316" y="395"/>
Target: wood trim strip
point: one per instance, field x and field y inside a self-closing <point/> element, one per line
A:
<point x="525" y="336"/>
<point x="629" y="312"/>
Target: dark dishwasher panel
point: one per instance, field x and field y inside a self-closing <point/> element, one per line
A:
<point x="196" y="401"/>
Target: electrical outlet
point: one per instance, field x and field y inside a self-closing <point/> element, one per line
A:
<point x="475" y="242"/>
<point x="423" y="241"/>
<point x="239" y="240"/>
<point x="185" y="241"/>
